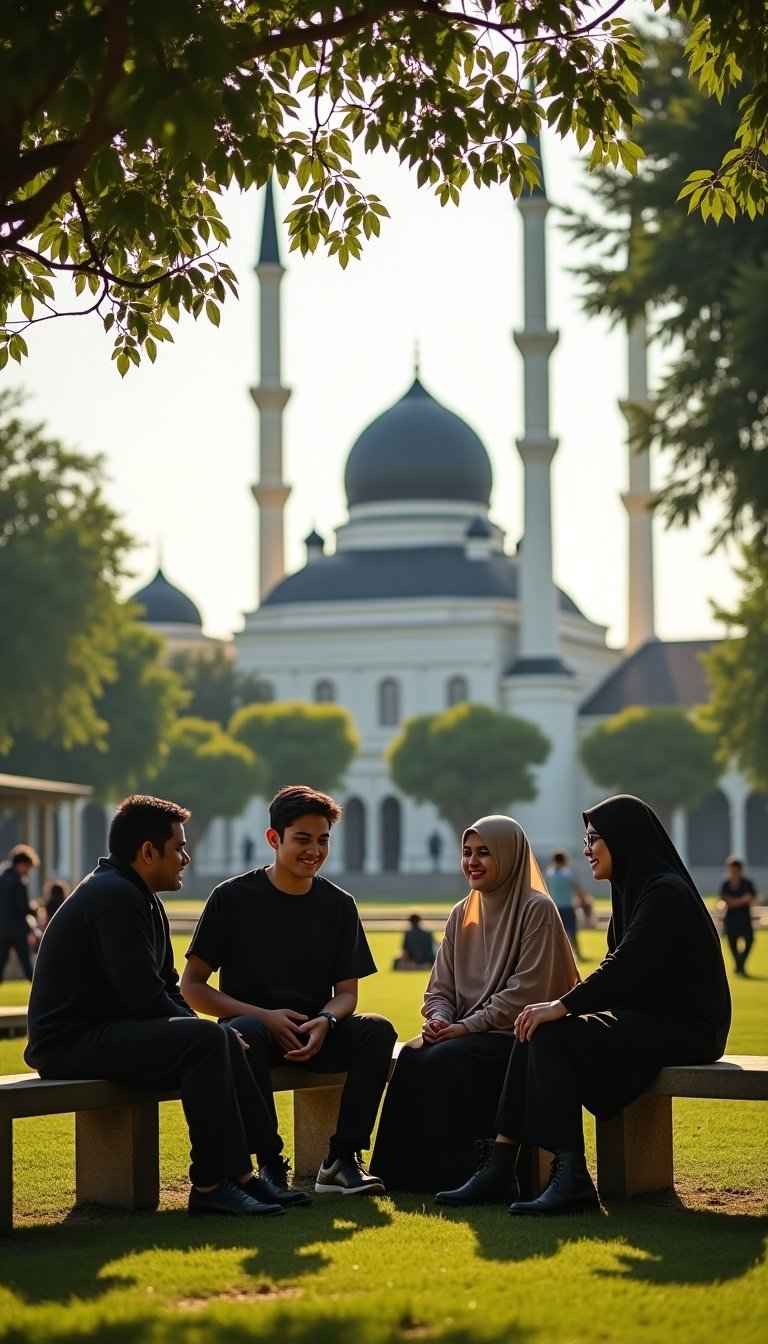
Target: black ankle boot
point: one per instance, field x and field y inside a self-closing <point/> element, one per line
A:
<point x="570" y="1190"/>
<point x="494" y="1181"/>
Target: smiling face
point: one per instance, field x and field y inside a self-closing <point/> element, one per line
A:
<point x="165" y="867"/>
<point x="477" y="863"/>
<point x="598" y="855"/>
<point x="300" y="853"/>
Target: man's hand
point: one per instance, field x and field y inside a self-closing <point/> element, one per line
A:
<point x="285" y="1025"/>
<point x="315" y="1030"/>
<point x="536" y="1013"/>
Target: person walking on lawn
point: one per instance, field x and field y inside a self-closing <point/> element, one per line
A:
<point x="290" y="949"/>
<point x="105" y="1003"/>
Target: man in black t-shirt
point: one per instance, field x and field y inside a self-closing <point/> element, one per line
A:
<point x="290" y="949"/>
<point x="738" y="895"/>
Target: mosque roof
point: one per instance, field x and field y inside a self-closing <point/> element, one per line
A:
<point x="660" y="672"/>
<point x="418" y="450"/>
<point x="164" y="604"/>
<point x="402" y="573"/>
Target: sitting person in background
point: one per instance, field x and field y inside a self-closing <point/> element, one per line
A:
<point x="418" y="951"/>
<point x="54" y="894"/>
<point x="567" y="893"/>
<point x="503" y="944"/>
<point x="738" y="895"/>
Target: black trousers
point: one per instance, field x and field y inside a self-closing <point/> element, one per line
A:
<point x="227" y="1118"/>
<point x="361" y="1044"/>
<point x="21" y="947"/>
<point x="740" y="940"/>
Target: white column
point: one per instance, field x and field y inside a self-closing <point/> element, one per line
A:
<point x="636" y="500"/>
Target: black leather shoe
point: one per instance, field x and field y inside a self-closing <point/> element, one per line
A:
<point x="271" y="1186"/>
<point x="494" y="1181"/>
<point x="570" y="1190"/>
<point x="228" y="1198"/>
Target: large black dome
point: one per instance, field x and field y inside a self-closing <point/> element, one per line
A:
<point x="166" y="605"/>
<point x="418" y="449"/>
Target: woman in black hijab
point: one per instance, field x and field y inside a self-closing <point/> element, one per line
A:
<point x="660" y="997"/>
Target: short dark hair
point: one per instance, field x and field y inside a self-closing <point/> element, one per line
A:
<point x="140" y="818"/>
<point x="298" y="800"/>
<point x="415" y="920"/>
<point x="559" y="856"/>
<point x="24" y="854"/>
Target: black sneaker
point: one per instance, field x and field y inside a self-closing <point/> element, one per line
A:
<point x="347" y="1176"/>
<point x="228" y="1198"/>
<point x="271" y="1186"/>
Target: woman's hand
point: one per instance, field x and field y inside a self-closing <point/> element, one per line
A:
<point x="436" y="1030"/>
<point x="432" y="1028"/>
<point x="534" y="1014"/>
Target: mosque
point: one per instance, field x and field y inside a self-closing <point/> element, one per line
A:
<point x="420" y="604"/>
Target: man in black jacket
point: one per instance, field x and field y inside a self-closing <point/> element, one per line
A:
<point x="15" y="908"/>
<point x="105" y="1003"/>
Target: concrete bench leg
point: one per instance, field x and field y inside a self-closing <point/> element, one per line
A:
<point x="315" y="1113"/>
<point x="117" y="1156"/>
<point x="634" y="1149"/>
<point x="6" y="1176"/>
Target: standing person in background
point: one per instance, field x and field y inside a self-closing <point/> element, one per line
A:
<point x="566" y="893"/>
<point x="16" y="909"/>
<point x="660" y="997"/>
<point x="503" y="943"/>
<point x="738" y="896"/>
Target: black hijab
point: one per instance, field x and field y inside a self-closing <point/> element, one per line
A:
<point x="642" y="855"/>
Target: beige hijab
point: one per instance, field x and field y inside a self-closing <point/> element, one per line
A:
<point x="503" y="948"/>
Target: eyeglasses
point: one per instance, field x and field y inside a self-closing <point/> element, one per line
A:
<point x="590" y="838"/>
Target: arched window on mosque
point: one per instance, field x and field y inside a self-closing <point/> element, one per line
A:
<point x="456" y="691"/>
<point x="709" y="831"/>
<point x="389" y="703"/>
<point x="325" y="692"/>
<point x="354" y="835"/>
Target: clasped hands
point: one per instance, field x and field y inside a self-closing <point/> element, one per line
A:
<point x="300" y="1036"/>
<point x="436" y="1030"/>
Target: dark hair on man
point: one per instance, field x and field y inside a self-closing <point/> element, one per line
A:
<point x="141" y="818"/>
<point x="298" y="800"/>
<point x="559" y="856"/>
<point x="733" y="861"/>
<point x="415" y="920"/>
<point x="24" y="854"/>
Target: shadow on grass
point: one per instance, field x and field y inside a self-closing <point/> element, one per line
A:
<point x="333" y="1327"/>
<point x="661" y="1241"/>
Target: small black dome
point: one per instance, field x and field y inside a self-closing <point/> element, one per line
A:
<point x="418" y="449"/>
<point x="478" y="528"/>
<point x="165" y="605"/>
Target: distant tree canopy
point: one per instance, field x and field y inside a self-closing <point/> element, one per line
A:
<point x="121" y="122"/>
<point x="206" y="770"/>
<point x="62" y="555"/>
<point x="214" y="683"/>
<point x="705" y="290"/>
<point x="298" y="742"/>
<point x="737" y="669"/>
<point x="468" y="761"/>
<point x="137" y="709"/>
<point x="658" y="754"/>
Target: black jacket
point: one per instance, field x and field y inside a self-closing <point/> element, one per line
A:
<point x="14" y="904"/>
<point x="107" y="956"/>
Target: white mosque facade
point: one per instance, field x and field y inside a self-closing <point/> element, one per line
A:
<point x="421" y="603"/>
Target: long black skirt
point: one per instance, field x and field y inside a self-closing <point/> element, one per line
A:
<point x="601" y="1061"/>
<point x="440" y="1101"/>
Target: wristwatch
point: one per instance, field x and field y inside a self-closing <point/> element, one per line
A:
<point x="331" y="1020"/>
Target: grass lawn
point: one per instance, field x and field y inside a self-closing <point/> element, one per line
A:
<point x="387" y="1270"/>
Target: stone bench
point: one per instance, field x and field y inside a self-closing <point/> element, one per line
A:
<point x="117" y="1132"/>
<point x="13" y="1021"/>
<point x="635" y="1149"/>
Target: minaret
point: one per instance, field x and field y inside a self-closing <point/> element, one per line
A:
<point x="538" y="686"/>
<point x="538" y="598"/>
<point x="271" y="398"/>
<point x="637" y="499"/>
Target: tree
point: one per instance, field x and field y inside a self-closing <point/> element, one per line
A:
<point x="208" y="772"/>
<point x="61" y="557"/>
<point x="706" y="288"/>
<point x="121" y="121"/>
<point x="137" y="707"/>
<point x="299" y="743"/>
<point x="215" y="685"/>
<point x="658" y="754"/>
<point x="468" y="761"/>
<point x="738" y="709"/>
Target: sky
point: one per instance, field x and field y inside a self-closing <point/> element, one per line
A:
<point x="180" y="438"/>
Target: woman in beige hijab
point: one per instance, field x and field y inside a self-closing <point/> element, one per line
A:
<point x="504" y="947"/>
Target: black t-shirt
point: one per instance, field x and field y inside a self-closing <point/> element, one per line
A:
<point x="740" y="915"/>
<point x="277" y="950"/>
